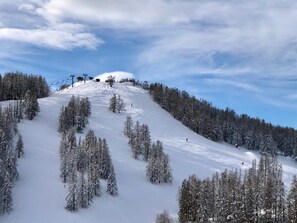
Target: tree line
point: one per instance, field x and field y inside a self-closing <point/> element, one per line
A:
<point x="9" y="153"/>
<point x="14" y="85"/>
<point x="257" y="195"/>
<point x="158" y="169"/>
<point x="28" y="107"/>
<point x="224" y="124"/>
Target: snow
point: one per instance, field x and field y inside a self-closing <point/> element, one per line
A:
<point x="39" y="194"/>
<point x="119" y="75"/>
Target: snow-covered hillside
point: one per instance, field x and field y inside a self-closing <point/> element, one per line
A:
<point x="39" y="195"/>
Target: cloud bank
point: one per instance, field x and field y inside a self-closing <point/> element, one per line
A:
<point x="246" y="45"/>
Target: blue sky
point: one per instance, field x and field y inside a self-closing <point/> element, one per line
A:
<point x="240" y="54"/>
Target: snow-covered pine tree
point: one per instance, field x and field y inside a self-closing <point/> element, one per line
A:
<point x="112" y="187"/>
<point x="72" y="166"/>
<point x="110" y="80"/>
<point x="81" y="157"/>
<point x="72" y="198"/>
<point x="71" y="140"/>
<point x="292" y="201"/>
<point x="136" y="143"/>
<point x="113" y="103"/>
<point x="152" y="171"/>
<point x="7" y="194"/>
<point x="96" y="179"/>
<point x="31" y="106"/>
<point x="163" y="218"/>
<point x="166" y="170"/>
<point x="11" y="165"/>
<point x="105" y="160"/>
<point x="145" y="140"/>
<point x="18" y="110"/>
<point x="91" y="185"/>
<point x="120" y="104"/>
<point x="84" y="111"/>
<point x="128" y="126"/>
<point x="20" y="146"/>
<point x="83" y="192"/>
<point x="64" y="153"/>
<point x="158" y="169"/>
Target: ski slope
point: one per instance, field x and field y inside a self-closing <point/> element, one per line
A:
<point x="39" y="195"/>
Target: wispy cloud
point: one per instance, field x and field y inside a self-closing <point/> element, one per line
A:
<point x="34" y="28"/>
<point x="51" y="38"/>
<point x="249" y="45"/>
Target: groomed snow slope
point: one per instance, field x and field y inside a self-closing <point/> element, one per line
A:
<point x="39" y="195"/>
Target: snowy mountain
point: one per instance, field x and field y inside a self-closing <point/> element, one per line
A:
<point x="119" y="75"/>
<point x="39" y="195"/>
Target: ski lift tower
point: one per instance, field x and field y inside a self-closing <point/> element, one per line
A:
<point x="85" y="77"/>
<point x="72" y="79"/>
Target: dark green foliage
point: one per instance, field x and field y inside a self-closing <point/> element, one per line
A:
<point x="7" y="194"/>
<point x="113" y="103"/>
<point x="83" y="192"/>
<point x="110" y="80"/>
<point x="116" y="104"/>
<point x="90" y="158"/>
<point x="292" y="201"/>
<point x="30" y="105"/>
<point x="8" y="157"/>
<point x="224" y="124"/>
<point x="72" y="203"/>
<point x="158" y="169"/>
<point x="128" y="126"/>
<point x="257" y="197"/>
<point x="20" y="146"/>
<point x="14" y="85"/>
<point x="112" y="187"/>
<point x="163" y="218"/>
<point x="75" y="114"/>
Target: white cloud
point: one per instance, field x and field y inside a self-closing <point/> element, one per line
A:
<point x="51" y="38"/>
<point x="235" y="83"/>
<point x="28" y="26"/>
<point x="254" y="40"/>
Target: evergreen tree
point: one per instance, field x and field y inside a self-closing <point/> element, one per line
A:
<point x="75" y="114"/>
<point x="128" y="126"/>
<point x="110" y="80"/>
<point x="64" y="153"/>
<point x="83" y="192"/>
<point x="20" y="146"/>
<point x="11" y="165"/>
<point x="292" y="201"/>
<point x="113" y="103"/>
<point x="135" y="141"/>
<point x="7" y="194"/>
<point x="91" y="185"/>
<point x="31" y="106"/>
<point x="145" y="140"/>
<point x="120" y="105"/>
<point x="112" y="187"/>
<point x="163" y="218"/>
<point x="72" y="198"/>
<point x="105" y="161"/>
<point x="166" y="170"/>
